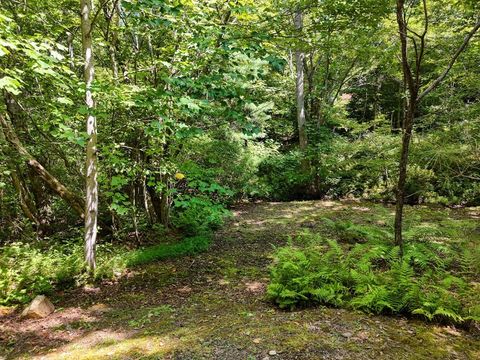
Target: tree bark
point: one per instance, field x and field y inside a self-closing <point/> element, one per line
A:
<point x="51" y="181"/>
<point x="407" y="124"/>
<point x="300" y="84"/>
<point x="402" y="175"/>
<point x="412" y="83"/>
<point x="91" y="209"/>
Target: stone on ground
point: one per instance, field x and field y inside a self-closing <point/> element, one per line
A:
<point x="39" y="308"/>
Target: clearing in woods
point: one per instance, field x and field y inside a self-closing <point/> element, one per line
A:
<point x="212" y="306"/>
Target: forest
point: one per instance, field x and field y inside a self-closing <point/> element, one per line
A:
<point x="239" y="179"/>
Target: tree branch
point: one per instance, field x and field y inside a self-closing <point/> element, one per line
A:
<point x="460" y="49"/>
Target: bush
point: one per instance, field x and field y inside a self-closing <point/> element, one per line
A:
<point x="198" y="214"/>
<point x="284" y="178"/>
<point x="227" y="158"/>
<point x="372" y="277"/>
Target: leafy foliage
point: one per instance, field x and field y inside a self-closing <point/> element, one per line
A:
<point x="373" y="278"/>
<point x="27" y="271"/>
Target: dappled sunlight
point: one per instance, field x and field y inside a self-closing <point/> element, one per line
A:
<point x="360" y="208"/>
<point x="59" y="318"/>
<point x="474" y="213"/>
<point x="213" y="305"/>
<point x="110" y="345"/>
<point x="251" y="180"/>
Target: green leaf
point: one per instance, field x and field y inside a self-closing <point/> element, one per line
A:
<point x="64" y="100"/>
<point x="10" y="84"/>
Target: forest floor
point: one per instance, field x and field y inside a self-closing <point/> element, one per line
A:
<point x="212" y="306"/>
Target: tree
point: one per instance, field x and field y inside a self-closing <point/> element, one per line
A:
<point x="413" y="82"/>
<point x="300" y="85"/>
<point x="91" y="204"/>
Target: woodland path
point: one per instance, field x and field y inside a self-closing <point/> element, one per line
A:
<point x="212" y="306"/>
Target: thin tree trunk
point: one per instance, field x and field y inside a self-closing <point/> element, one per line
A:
<point x="91" y="209"/>
<point x="25" y="198"/>
<point x="409" y="84"/>
<point x="412" y="83"/>
<point x="402" y="176"/>
<point x="300" y="84"/>
<point x="111" y="36"/>
<point x="165" y="208"/>
<point x="290" y="64"/>
<point x="51" y="181"/>
<point x="71" y="53"/>
<point x="26" y="202"/>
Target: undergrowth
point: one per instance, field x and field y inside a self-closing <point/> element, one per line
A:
<point x="26" y="271"/>
<point x="433" y="280"/>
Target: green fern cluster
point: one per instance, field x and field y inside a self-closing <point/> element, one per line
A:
<point x="373" y="278"/>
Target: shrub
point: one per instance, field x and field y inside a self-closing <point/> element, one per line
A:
<point x="373" y="278"/>
<point x="198" y="214"/>
<point x="283" y="177"/>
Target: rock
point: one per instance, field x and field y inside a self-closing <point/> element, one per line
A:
<point x="5" y="311"/>
<point x="39" y="308"/>
<point x="257" y="340"/>
<point x="272" y="353"/>
<point x="99" y="308"/>
<point x="347" y="334"/>
<point x="91" y="289"/>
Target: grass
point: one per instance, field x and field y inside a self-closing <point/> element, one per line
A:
<point x="188" y="246"/>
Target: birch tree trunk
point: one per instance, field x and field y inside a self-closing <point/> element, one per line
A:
<point x="91" y="208"/>
<point x="300" y="84"/>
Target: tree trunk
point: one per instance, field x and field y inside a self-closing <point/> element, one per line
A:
<point x="91" y="209"/>
<point x="300" y="84"/>
<point x="160" y="203"/>
<point x="402" y="175"/>
<point x="51" y="181"/>
<point x="71" y="53"/>
<point x="300" y="95"/>
<point x="111" y="36"/>
<point x="412" y="83"/>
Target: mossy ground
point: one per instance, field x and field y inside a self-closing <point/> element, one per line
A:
<point x="212" y="306"/>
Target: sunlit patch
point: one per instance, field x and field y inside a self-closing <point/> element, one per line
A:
<point x="255" y="287"/>
<point x="361" y="208"/>
<point x="185" y="289"/>
<point x="109" y="344"/>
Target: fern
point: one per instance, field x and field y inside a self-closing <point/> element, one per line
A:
<point x="448" y="314"/>
<point x="372" y="277"/>
<point x="424" y="312"/>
